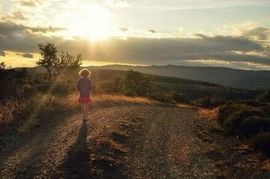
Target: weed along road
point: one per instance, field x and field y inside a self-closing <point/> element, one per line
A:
<point x="127" y="141"/>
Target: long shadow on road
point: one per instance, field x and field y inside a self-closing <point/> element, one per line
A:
<point x="77" y="164"/>
<point x="20" y="143"/>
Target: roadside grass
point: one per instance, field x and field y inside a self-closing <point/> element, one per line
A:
<point x="25" y="114"/>
<point x="209" y="113"/>
<point x="13" y="110"/>
<point x="110" y="100"/>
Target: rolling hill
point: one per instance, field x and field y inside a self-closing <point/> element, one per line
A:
<point x="184" y="90"/>
<point x="244" y="79"/>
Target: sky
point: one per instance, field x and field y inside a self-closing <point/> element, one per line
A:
<point x="231" y="33"/>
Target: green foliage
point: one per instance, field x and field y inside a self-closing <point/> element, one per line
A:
<point x="49" y="58"/>
<point x="67" y="62"/>
<point x="208" y="101"/>
<point x="27" y="90"/>
<point x="264" y="97"/>
<point x="15" y="83"/>
<point x="118" y="85"/>
<point x="54" y="64"/>
<point x="136" y="84"/>
<point x="62" y="88"/>
<point x="14" y="110"/>
<point x="166" y="97"/>
<point x="179" y="98"/>
<point x="253" y="125"/>
<point x="262" y="142"/>
<point x="244" y="119"/>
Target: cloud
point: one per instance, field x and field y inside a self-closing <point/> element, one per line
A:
<point x="15" y="16"/>
<point x="192" y="4"/>
<point x="30" y="3"/>
<point x="45" y="29"/>
<point x="117" y="3"/>
<point x="19" y="38"/>
<point x="124" y="29"/>
<point x="168" y="51"/>
<point x="27" y="55"/>
<point x="152" y="31"/>
<point x="231" y="64"/>
<point x="259" y="33"/>
<point x="139" y="50"/>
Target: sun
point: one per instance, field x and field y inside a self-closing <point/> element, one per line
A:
<point x="92" y="22"/>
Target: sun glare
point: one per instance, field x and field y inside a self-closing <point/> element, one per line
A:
<point x="94" y="23"/>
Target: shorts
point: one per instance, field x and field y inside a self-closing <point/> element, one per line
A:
<point x="84" y="99"/>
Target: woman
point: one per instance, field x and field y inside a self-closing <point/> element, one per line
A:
<point x="84" y="86"/>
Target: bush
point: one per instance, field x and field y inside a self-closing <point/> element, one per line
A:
<point x="262" y="142"/>
<point x="168" y="96"/>
<point x="27" y="91"/>
<point x="44" y="87"/>
<point x="244" y="119"/>
<point x="232" y="122"/>
<point x="61" y="88"/>
<point x="136" y="84"/>
<point x="253" y="125"/>
<point x="14" y="111"/>
<point x="264" y="97"/>
<point x="208" y="102"/>
<point x="179" y="98"/>
<point x="17" y="79"/>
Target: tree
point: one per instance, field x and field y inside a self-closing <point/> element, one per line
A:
<point x="67" y="62"/>
<point x="2" y="66"/>
<point x="136" y="84"/>
<point x="49" y="58"/>
<point x="54" y="64"/>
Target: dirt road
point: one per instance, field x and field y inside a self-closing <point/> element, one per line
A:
<point x="129" y="142"/>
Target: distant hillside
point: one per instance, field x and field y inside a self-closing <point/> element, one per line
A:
<point x="184" y="90"/>
<point x="190" y="90"/>
<point x="224" y="76"/>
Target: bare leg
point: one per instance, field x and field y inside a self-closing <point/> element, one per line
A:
<point x="83" y="111"/>
<point x="86" y="110"/>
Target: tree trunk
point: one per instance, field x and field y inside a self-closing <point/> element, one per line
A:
<point x="49" y="75"/>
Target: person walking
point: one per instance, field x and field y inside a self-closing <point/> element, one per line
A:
<point x="84" y="86"/>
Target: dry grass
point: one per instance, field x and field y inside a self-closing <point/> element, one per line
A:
<point x="10" y="110"/>
<point x="31" y="111"/>
<point x="208" y="113"/>
<point x="110" y="100"/>
<point x="28" y="112"/>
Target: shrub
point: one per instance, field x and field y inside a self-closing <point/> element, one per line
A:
<point x="246" y="108"/>
<point x="264" y="97"/>
<point x="136" y="84"/>
<point x="61" y="88"/>
<point x="44" y="87"/>
<point x="262" y="142"/>
<point x="208" y="101"/>
<point x="13" y="110"/>
<point x="179" y="98"/>
<point x="253" y="125"/>
<point x="162" y="96"/>
<point x="244" y="119"/>
<point x="27" y="90"/>
<point x="232" y="122"/>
